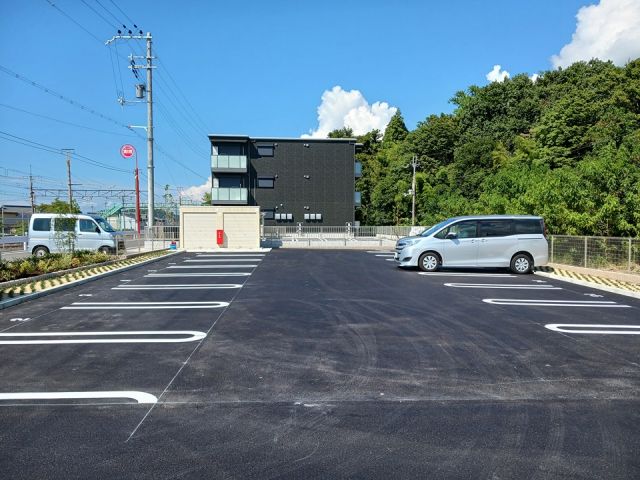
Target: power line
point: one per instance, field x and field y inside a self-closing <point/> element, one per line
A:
<point x="60" y="96"/>
<point x="65" y="122"/>
<point x="99" y="15"/>
<point x="74" y="21"/>
<point x="41" y="146"/>
<point x="121" y="11"/>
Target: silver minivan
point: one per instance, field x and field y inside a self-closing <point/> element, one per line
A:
<point x="514" y="241"/>
<point x="89" y="232"/>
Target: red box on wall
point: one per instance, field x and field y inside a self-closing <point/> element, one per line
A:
<point x="219" y="237"/>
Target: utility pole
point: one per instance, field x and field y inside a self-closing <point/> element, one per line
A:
<point x="149" y="92"/>
<point x="414" y="164"/>
<point x="150" y="194"/>
<point x="32" y="194"/>
<point x="68" y="152"/>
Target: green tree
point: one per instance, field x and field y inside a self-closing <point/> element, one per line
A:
<point x="206" y="198"/>
<point x="58" y="206"/>
<point x="344" y="132"/>
<point x="396" y="130"/>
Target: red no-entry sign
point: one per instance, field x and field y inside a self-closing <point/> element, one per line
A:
<point x="127" y="151"/>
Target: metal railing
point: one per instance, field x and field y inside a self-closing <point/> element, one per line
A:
<point x="603" y="253"/>
<point x="326" y="233"/>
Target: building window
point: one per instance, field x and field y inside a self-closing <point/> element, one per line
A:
<point x="268" y="213"/>
<point x="229" y="149"/>
<point x="42" y="224"/>
<point x="265" y="182"/>
<point x="265" y="150"/>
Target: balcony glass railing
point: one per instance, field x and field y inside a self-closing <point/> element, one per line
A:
<point x="358" y="170"/>
<point x="228" y="194"/>
<point x="237" y="162"/>
<point x="357" y="199"/>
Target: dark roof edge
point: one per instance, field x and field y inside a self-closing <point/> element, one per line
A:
<point x="281" y="139"/>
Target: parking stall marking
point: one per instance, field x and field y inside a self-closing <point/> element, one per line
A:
<point x="554" y="303"/>
<point x="225" y="255"/>
<point x="594" y="329"/>
<point x="223" y="260"/>
<point x="504" y="286"/>
<point x="203" y="274"/>
<point x="139" y="397"/>
<point x="381" y="251"/>
<point x="142" y="305"/>
<point x="463" y="274"/>
<point x="186" y="286"/>
<point x="385" y="255"/>
<point x="180" y="336"/>
<point x="212" y="266"/>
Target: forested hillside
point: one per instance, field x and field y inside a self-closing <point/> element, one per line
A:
<point x="566" y="147"/>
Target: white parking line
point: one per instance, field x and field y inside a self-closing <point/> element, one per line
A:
<point x="385" y="255"/>
<point x="139" y="397"/>
<point x="141" y="305"/>
<point x="224" y="255"/>
<point x="199" y="274"/>
<point x="503" y="285"/>
<point x="187" y="286"/>
<point x="594" y="329"/>
<point x="553" y="303"/>
<point x="224" y="260"/>
<point x="390" y="260"/>
<point x="462" y="274"/>
<point x="380" y="251"/>
<point x="213" y="266"/>
<point x="192" y="336"/>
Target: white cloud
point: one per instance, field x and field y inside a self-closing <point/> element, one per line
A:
<point x="534" y="78"/>
<point x="340" y="108"/>
<point x="607" y="31"/>
<point x="497" y="74"/>
<point x="197" y="191"/>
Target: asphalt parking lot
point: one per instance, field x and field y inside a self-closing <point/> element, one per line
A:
<point x="319" y="364"/>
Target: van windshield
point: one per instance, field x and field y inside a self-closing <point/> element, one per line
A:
<point x="434" y="229"/>
<point x="104" y="224"/>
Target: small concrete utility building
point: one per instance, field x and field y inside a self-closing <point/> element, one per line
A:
<point x="240" y="226"/>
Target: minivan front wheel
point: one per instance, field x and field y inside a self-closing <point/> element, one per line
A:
<point x="40" y="251"/>
<point x="429" y="262"/>
<point x="521" y="264"/>
<point x="105" y="250"/>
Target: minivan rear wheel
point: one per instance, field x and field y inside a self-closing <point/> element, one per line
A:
<point x="40" y="251"/>
<point x="105" y="250"/>
<point x="429" y="262"/>
<point x="521" y="264"/>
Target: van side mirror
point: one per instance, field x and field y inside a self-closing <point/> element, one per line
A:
<point x="451" y="236"/>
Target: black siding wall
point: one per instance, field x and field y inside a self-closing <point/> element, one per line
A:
<point x="329" y="189"/>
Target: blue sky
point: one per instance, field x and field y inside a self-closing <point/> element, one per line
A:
<point x="253" y="67"/>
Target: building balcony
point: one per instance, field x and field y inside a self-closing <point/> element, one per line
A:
<point x="229" y="196"/>
<point x="358" y="169"/>
<point x="229" y="163"/>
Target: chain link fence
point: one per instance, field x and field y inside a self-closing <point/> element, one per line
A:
<point x="604" y="253"/>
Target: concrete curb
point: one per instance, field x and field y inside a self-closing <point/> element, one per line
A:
<point x="584" y="283"/>
<point x="32" y="296"/>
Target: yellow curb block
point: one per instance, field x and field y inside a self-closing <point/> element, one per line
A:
<point x="594" y="279"/>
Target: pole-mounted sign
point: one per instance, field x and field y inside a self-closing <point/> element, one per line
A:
<point x="127" y="151"/>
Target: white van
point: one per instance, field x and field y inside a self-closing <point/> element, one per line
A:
<point x="514" y="241"/>
<point x="90" y="232"/>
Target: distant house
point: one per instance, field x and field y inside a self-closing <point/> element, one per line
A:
<point x="12" y="216"/>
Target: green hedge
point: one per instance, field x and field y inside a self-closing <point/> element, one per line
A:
<point x="52" y="262"/>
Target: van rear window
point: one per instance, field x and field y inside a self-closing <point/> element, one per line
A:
<point x="528" y="226"/>
<point x="41" y="224"/>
